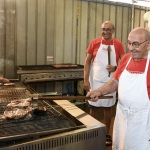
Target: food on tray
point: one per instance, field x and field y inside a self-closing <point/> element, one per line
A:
<point x="18" y="112"/>
<point x="64" y="65"/>
<point x="19" y="109"/>
<point x="9" y="84"/>
<point x="20" y="103"/>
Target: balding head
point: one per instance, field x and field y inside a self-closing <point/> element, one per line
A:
<point x="108" y="22"/>
<point x="142" y="32"/>
<point x="139" y="43"/>
<point x="107" y="30"/>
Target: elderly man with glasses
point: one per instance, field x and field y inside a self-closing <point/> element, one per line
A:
<point x="101" y="61"/>
<point x="132" y="80"/>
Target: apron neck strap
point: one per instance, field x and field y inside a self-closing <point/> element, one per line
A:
<point x="102" y="41"/>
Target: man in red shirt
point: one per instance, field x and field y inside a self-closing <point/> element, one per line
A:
<point x="132" y="80"/>
<point x="101" y="61"/>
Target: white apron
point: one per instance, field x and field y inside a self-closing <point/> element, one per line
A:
<point x="99" y="73"/>
<point x="132" y="122"/>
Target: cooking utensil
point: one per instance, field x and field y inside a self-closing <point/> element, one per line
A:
<point x="68" y="97"/>
<point x="109" y="59"/>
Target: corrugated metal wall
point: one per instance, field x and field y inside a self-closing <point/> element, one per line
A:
<point x="45" y="28"/>
<point x="32" y="31"/>
<point x="7" y="37"/>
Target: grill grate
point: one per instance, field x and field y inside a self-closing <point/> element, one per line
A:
<point x="47" y="123"/>
<point x="13" y="94"/>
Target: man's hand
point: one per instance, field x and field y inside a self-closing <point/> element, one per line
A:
<point x="4" y="80"/>
<point x="86" y="85"/>
<point x="111" y="68"/>
<point x="94" y="95"/>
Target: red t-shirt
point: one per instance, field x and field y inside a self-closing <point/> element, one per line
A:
<point x="133" y="67"/>
<point x="95" y="44"/>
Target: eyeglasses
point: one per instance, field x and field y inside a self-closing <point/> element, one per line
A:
<point x="106" y="29"/>
<point x="135" y="44"/>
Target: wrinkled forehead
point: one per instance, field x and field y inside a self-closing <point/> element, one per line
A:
<point x="107" y="25"/>
<point x="140" y="33"/>
<point x="136" y="36"/>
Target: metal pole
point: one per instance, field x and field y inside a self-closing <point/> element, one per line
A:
<point x="132" y="19"/>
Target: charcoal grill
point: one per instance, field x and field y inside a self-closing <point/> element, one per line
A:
<point x="63" y="126"/>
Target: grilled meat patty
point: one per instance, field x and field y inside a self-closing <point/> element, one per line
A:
<point x="18" y="109"/>
<point x="18" y="112"/>
<point x="20" y="103"/>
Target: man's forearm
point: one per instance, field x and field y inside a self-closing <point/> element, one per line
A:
<point x="110" y="87"/>
<point x="86" y="72"/>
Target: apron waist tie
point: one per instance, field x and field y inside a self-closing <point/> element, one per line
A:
<point x="127" y="111"/>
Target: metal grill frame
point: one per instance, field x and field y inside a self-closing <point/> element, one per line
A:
<point x="91" y="137"/>
<point x="36" y="77"/>
<point x="25" y="74"/>
<point x="42" y="127"/>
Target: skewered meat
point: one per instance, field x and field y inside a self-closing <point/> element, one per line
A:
<point x="18" y="109"/>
